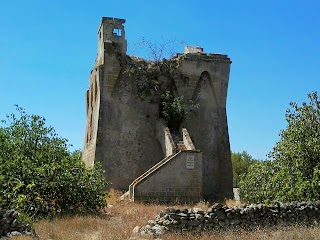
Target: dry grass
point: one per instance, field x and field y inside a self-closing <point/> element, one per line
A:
<point x="287" y="234"/>
<point x="231" y="202"/>
<point x="21" y="238"/>
<point x="117" y="224"/>
<point x="119" y="221"/>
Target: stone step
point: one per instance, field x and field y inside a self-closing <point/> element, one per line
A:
<point x="181" y="146"/>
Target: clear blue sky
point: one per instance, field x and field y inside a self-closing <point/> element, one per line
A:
<point x="47" y="50"/>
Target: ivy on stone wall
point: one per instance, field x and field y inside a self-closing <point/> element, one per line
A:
<point x="152" y="78"/>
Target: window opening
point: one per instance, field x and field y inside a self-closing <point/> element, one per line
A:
<point x="117" y="32"/>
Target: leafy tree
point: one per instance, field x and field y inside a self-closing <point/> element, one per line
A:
<point x="39" y="176"/>
<point x="255" y="185"/>
<point x="293" y="173"/>
<point x="240" y="164"/>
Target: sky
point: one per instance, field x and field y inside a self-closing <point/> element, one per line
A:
<point x="47" y="50"/>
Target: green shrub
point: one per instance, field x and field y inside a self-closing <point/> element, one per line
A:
<point x="39" y="176"/>
<point x="293" y="173"/>
<point x="173" y="110"/>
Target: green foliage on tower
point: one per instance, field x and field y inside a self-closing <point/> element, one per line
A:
<point x="173" y="110"/>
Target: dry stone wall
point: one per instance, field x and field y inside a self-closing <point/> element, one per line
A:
<point x="10" y="224"/>
<point x="221" y="218"/>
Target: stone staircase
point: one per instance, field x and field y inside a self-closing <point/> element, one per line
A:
<point x="177" y="142"/>
<point x="181" y="147"/>
<point x="147" y="173"/>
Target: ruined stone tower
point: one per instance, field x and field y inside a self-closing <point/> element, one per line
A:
<point x="125" y="133"/>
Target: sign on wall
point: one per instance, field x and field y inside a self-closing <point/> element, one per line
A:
<point x="190" y="162"/>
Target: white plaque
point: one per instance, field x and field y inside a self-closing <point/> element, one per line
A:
<point x="190" y="162"/>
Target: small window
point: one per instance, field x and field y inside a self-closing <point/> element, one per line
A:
<point x="117" y="32"/>
<point x="186" y="81"/>
<point x="91" y="95"/>
<point x="87" y="102"/>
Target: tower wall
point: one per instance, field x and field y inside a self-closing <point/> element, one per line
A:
<point x="207" y="84"/>
<point x="126" y="145"/>
<point x="92" y="117"/>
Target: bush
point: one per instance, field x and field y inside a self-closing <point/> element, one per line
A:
<point x="173" y="110"/>
<point x="39" y="176"/>
<point x="293" y="173"/>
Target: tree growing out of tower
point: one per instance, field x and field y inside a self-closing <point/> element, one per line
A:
<point x="173" y="110"/>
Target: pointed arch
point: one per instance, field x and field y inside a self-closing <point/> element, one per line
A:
<point x="204" y="90"/>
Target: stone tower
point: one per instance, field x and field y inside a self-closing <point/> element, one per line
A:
<point x="123" y="107"/>
<point x="111" y="38"/>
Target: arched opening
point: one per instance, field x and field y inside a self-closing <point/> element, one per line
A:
<point x="91" y="95"/>
<point x="95" y="87"/>
<point x="87" y="101"/>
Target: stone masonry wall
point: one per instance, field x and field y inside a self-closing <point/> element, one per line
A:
<point x="220" y="217"/>
<point x="179" y="180"/>
<point x="165" y="138"/>
<point x="127" y="145"/>
<point x="92" y="115"/>
<point x="207" y="125"/>
<point x="10" y="224"/>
